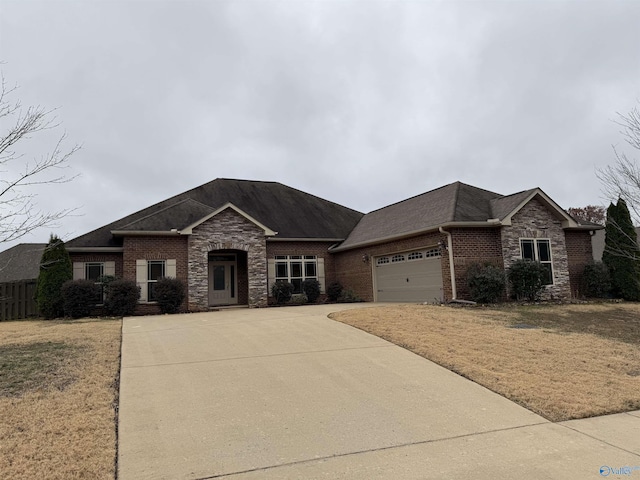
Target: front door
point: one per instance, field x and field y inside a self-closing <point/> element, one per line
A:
<point x="223" y="283"/>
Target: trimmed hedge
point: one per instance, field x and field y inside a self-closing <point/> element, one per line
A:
<point x="596" y="280"/>
<point x="334" y="290"/>
<point x="311" y="288"/>
<point x="170" y="293"/>
<point x="80" y="297"/>
<point x="121" y="298"/>
<point x="486" y="282"/>
<point x="526" y="278"/>
<point x="282" y="292"/>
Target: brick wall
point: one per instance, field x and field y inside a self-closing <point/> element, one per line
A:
<point x="154" y="248"/>
<point x="535" y="220"/>
<point x="474" y="245"/>
<point x="579" y="254"/>
<point x="319" y="249"/>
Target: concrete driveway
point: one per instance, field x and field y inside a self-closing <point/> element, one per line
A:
<point x="287" y="393"/>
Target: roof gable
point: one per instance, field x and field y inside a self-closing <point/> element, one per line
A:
<point x="189" y="229"/>
<point x="522" y="198"/>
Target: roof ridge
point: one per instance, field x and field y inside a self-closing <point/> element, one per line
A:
<point x="163" y="209"/>
<point x="411" y="198"/>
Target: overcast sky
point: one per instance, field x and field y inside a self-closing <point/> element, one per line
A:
<point x="364" y="103"/>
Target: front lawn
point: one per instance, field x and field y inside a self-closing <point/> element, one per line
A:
<point x="58" y="398"/>
<point x="560" y="361"/>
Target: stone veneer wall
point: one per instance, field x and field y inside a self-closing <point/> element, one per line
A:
<point x="227" y="231"/>
<point x="535" y="220"/>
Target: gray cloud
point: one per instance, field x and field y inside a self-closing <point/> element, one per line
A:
<point x="362" y="103"/>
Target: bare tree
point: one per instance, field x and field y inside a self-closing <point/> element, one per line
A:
<point x="590" y="213"/>
<point x="19" y="214"/>
<point x="622" y="179"/>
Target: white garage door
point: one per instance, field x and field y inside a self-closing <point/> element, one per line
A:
<point x="409" y="277"/>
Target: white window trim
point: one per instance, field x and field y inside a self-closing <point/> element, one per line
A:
<point x="79" y="269"/>
<point x="142" y="275"/>
<point x="271" y="269"/>
<point x="536" y="255"/>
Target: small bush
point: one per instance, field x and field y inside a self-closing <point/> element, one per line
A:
<point x="596" y="280"/>
<point x="170" y="293"/>
<point x="282" y="292"/>
<point x="486" y="282"/>
<point x="349" y="296"/>
<point x="526" y="279"/>
<point x="79" y="297"/>
<point x="311" y="288"/>
<point x="334" y="291"/>
<point x="121" y="298"/>
<point x="298" y="299"/>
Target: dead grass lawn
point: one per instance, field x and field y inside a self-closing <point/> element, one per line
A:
<point x="58" y="394"/>
<point x="580" y="361"/>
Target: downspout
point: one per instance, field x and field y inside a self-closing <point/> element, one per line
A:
<point x="452" y="270"/>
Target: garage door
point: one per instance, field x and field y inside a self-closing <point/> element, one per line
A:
<point x="409" y="277"/>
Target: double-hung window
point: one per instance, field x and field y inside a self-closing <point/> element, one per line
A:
<point x="94" y="271"/>
<point x="155" y="271"/>
<point x="148" y="272"/>
<point x="295" y="269"/>
<point x="538" y="250"/>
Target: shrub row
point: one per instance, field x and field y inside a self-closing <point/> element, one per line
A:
<point x="119" y="297"/>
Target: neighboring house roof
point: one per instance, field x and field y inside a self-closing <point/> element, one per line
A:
<point x="597" y="243"/>
<point x="282" y="209"/>
<point x="456" y="204"/>
<point x="21" y="262"/>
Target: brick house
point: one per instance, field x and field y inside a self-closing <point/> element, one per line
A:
<point x="230" y="240"/>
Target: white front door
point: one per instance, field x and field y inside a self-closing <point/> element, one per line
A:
<point x="223" y="283"/>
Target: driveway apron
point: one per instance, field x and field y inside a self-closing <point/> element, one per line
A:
<point x="289" y="393"/>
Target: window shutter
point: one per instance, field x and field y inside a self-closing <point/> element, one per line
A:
<point x="170" y="270"/>
<point x="321" y="274"/>
<point x="110" y="268"/>
<point x="141" y="278"/>
<point x="78" y="271"/>
<point x="271" y="273"/>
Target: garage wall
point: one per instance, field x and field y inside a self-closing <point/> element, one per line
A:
<point x="357" y="275"/>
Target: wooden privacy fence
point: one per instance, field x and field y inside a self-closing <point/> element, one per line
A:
<point x="18" y="300"/>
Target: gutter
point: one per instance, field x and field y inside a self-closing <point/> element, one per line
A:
<point x="146" y="233"/>
<point x="452" y="270"/>
<point x="95" y="249"/>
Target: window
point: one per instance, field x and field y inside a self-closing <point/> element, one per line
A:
<point x="147" y="274"/>
<point x="414" y="256"/>
<point x="94" y="271"/>
<point x="538" y="250"/>
<point x="382" y="261"/>
<point x="295" y="269"/>
<point x="397" y="258"/>
<point x="155" y="270"/>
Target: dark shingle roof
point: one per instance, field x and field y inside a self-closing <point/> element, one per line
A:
<point x="456" y="202"/>
<point x="290" y="212"/>
<point x="21" y="262"/>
